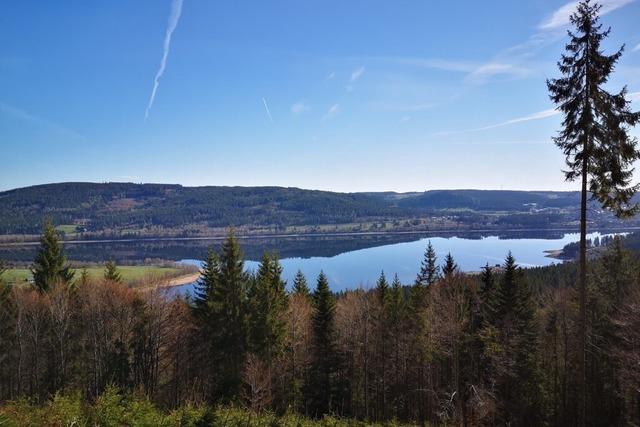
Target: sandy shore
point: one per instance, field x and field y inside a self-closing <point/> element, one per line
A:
<point x="170" y="283"/>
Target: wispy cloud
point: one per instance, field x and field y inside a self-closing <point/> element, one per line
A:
<point x="635" y="49"/>
<point x="405" y="119"/>
<point x="488" y="71"/>
<point x="357" y="73"/>
<point x="174" y="17"/>
<point x="25" y="116"/>
<point x="266" y="108"/>
<point x="331" y="75"/>
<point x="505" y="65"/>
<point x="430" y="63"/>
<point x="299" y="108"/>
<point x="535" y="116"/>
<point x="634" y="96"/>
<point x="560" y="17"/>
<point x="333" y="111"/>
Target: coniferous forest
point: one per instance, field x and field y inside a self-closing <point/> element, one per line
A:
<point x="496" y="348"/>
<point x="507" y="346"/>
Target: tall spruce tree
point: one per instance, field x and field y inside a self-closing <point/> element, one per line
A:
<point x="208" y="281"/>
<point x="429" y="270"/>
<point x="321" y="389"/>
<point x="111" y="273"/>
<point x="519" y="384"/>
<point x="594" y="138"/>
<point x="382" y="290"/>
<point x="224" y="287"/>
<point x="488" y="295"/>
<point x="267" y="309"/>
<point x="50" y="264"/>
<point x="300" y="285"/>
<point x="450" y="267"/>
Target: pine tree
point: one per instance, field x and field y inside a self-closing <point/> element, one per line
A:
<point x="50" y="264"/>
<point x="519" y="383"/>
<point x="223" y="290"/>
<point x="429" y="270"/>
<point x="111" y="273"/>
<point x="595" y="140"/>
<point x="382" y="290"/>
<point x="300" y="285"/>
<point x="209" y="278"/>
<point x="268" y="305"/>
<point x="450" y="267"/>
<point x="322" y="381"/>
<point x="488" y="295"/>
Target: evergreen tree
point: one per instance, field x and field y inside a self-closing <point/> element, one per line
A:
<point x="322" y="387"/>
<point x="450" y="267"/>
<point x="225" y="284"/>
<point x="595" y="140"/>
<point x="111" y="273"/>
<point x="268" y="305"/>
<point x="519" y="383"/>
<point x="429" y="270"/>
<point x="300" y="285"/>
<point x="50" y="264"/>
<point x="208" y="281"/>
<point x="488" y="295"/>
<point x="382" y="290"/>
<point x="3" y="269"/>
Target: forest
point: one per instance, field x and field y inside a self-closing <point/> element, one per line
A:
<point x="107" y="210"/>
<point x="498" y="347"/>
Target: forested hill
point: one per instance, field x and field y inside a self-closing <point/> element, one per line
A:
<point x="129" y="208"/>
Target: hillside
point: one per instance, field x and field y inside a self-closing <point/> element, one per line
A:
<point x="125" y="209"/>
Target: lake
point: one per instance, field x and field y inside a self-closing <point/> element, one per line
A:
<point x="362" y="267"/>
<point x="349" y="261"/>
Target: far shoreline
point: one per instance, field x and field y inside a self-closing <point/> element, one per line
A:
<point x="435" y="233"/>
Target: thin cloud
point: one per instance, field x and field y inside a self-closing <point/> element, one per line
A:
<point x="330" y="75"/>
<point x="174" y="17"/>
<point x="357" y="73"/>
<point x="634" y="96"/>
<point x="405" y="119"/>
<point x="561" y="17"/>
<point x="333" y="111"/>
<point x="299" y="108"/>
<point x="266" y="108"/>
<point x="25" y="116"/>
<point x="430" y="63"/>
<point x="487" y="72"/>
<point x="535" y="116"/>
<point x="635" y="49"/>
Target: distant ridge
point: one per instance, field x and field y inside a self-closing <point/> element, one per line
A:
<point x="118" y="207"/>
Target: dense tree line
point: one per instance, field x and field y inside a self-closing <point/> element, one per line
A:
<point x="108" y="208"/>
<point x="496" y="348"/>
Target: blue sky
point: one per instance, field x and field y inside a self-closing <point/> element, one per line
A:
<point x="336" y="95"/>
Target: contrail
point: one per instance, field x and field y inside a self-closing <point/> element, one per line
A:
<point x="266" y="107"/>
<point x="176" y="10"/>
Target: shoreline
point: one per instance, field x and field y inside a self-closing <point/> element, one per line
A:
<point x="489" y="231"/>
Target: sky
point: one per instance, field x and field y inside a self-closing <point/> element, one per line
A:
<point x="319" y="94"/>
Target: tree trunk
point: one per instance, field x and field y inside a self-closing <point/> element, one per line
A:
<point x="582" y="335"/>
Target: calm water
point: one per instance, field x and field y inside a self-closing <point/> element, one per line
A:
<point x="362" y="267"/>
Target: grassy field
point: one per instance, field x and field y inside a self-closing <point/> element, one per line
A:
<point x="130" y="273"/>
<point x="67" y="228"/>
